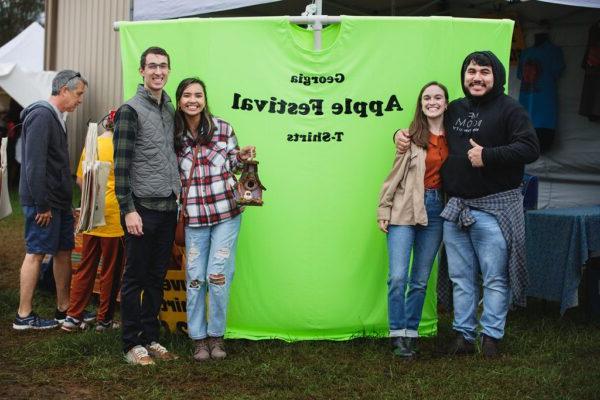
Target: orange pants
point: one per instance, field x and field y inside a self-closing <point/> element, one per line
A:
<point x="82" y="283"/>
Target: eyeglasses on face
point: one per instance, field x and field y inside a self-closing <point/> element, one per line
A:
<point x="162" y="66"/>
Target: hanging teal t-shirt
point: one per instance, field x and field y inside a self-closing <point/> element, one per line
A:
<point x="539" y="70"/>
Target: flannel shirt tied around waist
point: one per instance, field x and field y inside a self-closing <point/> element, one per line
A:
<point x="507" y="207"/>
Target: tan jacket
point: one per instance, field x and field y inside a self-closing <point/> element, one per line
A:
<point x="401" y="199"/>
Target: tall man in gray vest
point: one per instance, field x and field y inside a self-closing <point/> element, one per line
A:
<point x="146" y="184"/>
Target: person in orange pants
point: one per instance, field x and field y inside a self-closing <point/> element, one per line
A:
<point x="104" y="241"/>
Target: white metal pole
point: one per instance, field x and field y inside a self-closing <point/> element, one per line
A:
<point x="319" y="4"/>
<point x="318" y="27"/>
<point x="309" y="19"/>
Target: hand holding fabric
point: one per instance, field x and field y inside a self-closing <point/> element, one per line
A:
<point x="402" y="140"/>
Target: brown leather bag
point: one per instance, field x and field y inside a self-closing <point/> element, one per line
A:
<point x="182" y="219"/>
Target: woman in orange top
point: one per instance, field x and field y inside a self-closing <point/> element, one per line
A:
<point x="409" y="209"/>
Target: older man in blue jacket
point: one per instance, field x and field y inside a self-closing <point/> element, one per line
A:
<point x="46" y="191"/>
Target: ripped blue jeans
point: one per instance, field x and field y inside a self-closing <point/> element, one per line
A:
<point x="210" y="255"/>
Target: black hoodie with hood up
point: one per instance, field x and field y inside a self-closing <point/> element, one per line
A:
<point x="500" y="125"/>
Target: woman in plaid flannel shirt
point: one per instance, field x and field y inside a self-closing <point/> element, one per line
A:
<point x="213" y="216"/>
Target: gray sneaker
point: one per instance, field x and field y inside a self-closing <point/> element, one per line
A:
<point x="201" y="351"/>
<point x="138" y="355"/>
<point x="159" y="352"/>
<point x="217" y="348"/>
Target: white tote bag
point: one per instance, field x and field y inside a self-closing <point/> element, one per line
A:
<point x="5" y="208"/>
<point x="93" y="188"/>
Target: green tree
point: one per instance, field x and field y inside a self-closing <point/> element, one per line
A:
<point x="16" y="15"/>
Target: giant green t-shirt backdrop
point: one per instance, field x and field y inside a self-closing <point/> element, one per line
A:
<point x="311" y="263"/>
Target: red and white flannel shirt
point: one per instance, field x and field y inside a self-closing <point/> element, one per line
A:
<point x="211" y="195"/>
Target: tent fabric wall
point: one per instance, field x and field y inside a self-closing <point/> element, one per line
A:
<point x="569" y="174"/>
<point x="21" y="67"/>
<point x="24" y="49"/>
<point x="25" y="86"/>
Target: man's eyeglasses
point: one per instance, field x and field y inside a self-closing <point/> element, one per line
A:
<point x="163" y="66"/>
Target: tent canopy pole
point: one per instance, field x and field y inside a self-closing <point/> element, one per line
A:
<point x="300" y="19"/>
<point x="316" y="21"/>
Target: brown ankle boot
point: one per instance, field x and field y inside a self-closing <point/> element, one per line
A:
<point x="489" y="346"/>
<point x="217" y="348"/>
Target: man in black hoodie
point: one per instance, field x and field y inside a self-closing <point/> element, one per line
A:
<point x="46" y="191"/>
<point x="490" y="139"/>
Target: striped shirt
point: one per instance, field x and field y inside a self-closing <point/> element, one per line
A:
<point x="211" y="198"/>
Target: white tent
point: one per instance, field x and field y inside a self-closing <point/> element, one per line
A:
<point x="21" y="67"/>
<point x="163" y="9"/>
<point x="578" y="3"/>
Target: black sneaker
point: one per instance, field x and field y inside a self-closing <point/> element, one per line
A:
<point x="402" y="350"/>
<point x="103" y="326"/>
<point x="72" y="324"/>
<point x="489" y="346"/>
<point x="32" y="321"/>
<point x="89" y="316"/>
<point x="411" y="343"/>
<point x="461" y="346"/>
<point x="59" y="316"/>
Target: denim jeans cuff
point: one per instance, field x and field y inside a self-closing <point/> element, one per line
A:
<point x="397" y="332"/>
<point x="198" y="337"/>
<point x="411" y="333"/>
<point x="467" y="336"/>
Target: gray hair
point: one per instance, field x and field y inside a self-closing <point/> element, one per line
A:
<point x="68" y="78"/>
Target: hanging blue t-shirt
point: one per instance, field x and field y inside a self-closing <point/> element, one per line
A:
<point x="539" y="68"/>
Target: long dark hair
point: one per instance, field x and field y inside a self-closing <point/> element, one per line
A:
<point x="419" y="128"/>
<point x="205" y="128"/>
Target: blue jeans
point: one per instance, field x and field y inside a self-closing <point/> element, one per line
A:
<point x="405" y="306"/>
<point x="478" y="247"/>
<point x="210" y="253"/>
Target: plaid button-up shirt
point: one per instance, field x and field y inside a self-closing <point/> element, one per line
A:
<point x="211" y="199"/>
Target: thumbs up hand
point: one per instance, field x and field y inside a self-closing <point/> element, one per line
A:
<point x="475" y="154"/>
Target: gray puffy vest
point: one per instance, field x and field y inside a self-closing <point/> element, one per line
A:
<point x="154" y="170"/>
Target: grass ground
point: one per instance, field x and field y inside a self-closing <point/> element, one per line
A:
<point x="544" y="357"/>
